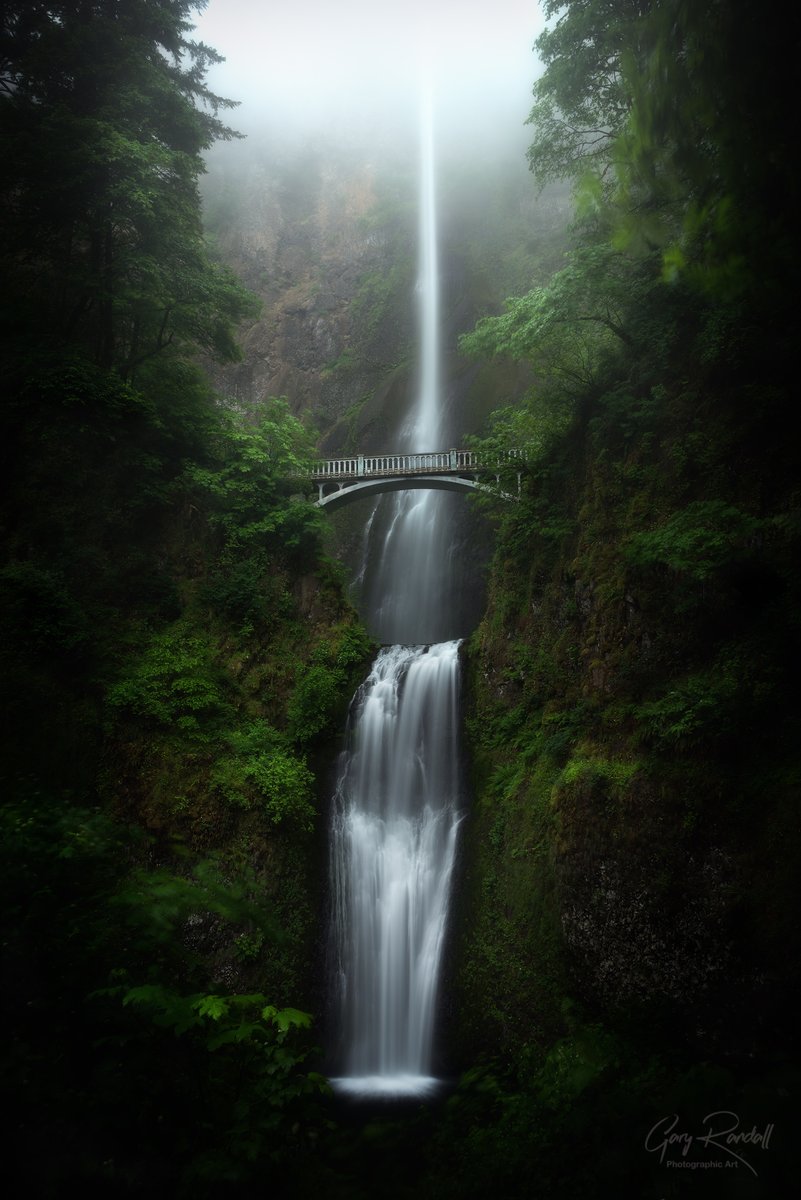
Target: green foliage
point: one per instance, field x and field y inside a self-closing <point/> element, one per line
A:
<point x="586" y="769"/>
<point x="248" y="487"/>
<point x="323" y="687"/>
<point x="38" y="602"/>
<point x="353" y="647"/>
<point x="174" y="684"/>
<point x="116" y="992"/>
<point x="515" y="440"/>
<point x="563" y="1123"/>
<point x="699" y="709"/>
<point x="345" y="363"/>
<point x="569" y="328"/>
<point x="659" y="111"/>
<point x="694" y="148"/>
<point x="697" y="541"/>
<point x="316" y="701"/>
<point x="238" y="1047"/>
<point x="230" y="1021"/>
<point x="248" y="591"/>
<point x="247" y="946"/>
<point x="163" y="900"/>
<point x="264" y="771"/>
<point x="581" y="100"/>
<point x="574" y="1064"/>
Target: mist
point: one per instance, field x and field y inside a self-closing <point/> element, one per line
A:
<point x="350" y="71"/>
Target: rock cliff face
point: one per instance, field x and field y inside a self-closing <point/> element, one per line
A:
<point x="327" y="238"/>
<point x="330" y="252"/>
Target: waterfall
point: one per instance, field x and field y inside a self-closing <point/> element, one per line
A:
<point x="394" y="844"/>
<point x="410" y="596"/>
<point x="396" y="803"/>
<point x="427" y="426"/>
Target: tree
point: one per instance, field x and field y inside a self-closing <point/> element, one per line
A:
<point x="248" y="486"/>
<point x="582" y="100"/>
<point x="104" y="113"/>
<point x="674" y="120"/>
<point x="709" y="147"/>
<point x="570" y="327"/>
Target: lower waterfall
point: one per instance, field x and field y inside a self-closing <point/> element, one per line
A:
<point x="393" y="849"/>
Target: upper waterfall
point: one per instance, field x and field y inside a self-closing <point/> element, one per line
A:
<point x="426" y="431"/>
<point x="412" y="579"/>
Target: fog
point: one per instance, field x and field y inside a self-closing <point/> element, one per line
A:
<point x="350" y="69"/>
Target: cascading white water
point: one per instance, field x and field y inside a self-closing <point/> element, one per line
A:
<point x="394" y="844"/>
<point x="396" y="810"/>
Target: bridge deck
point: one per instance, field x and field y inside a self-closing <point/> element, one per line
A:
<point x="367" y="466"/>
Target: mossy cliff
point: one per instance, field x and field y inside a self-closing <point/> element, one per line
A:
<point x="625" y="941"/>
<point x="327" y="242"/>
<point x="625" y="934"/>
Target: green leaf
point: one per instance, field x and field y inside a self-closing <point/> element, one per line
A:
<point x="211" y="1006"/>
<point x="287" y="1018"/>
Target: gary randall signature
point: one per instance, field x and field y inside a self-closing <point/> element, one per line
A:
<point x="723" y="1132"/>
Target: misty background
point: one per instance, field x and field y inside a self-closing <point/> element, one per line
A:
<point x="316" y="207"/>
<point x="351" y="69"/>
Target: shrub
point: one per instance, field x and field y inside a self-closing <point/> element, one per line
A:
<point x="699" y="709"/>
<point x="264" y="772"/>
<point x="37" y="607"/>
<point x="173" y="684"/>
<point x="315" y="702"/>
<point x="698" y="541"/>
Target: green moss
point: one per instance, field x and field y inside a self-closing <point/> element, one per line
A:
<point x="347" y="362"/>
<point x="584" y="768"/>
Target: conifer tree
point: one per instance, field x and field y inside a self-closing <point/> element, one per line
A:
<point x="104" y="115"/>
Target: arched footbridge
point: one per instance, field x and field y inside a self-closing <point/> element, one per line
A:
<point x="342" y="480"/>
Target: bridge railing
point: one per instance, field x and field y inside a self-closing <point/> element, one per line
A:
<point x="365" y="466"/>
